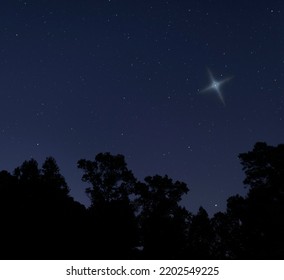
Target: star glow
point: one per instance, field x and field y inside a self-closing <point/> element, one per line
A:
<point x="215" y="85"/>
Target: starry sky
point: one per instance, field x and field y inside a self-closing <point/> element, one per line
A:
<point x="178" y="87"/>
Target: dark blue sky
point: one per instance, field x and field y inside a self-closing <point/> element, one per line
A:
<point x="82" y="77"/>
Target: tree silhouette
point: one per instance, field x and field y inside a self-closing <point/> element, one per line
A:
<point x="52" y="178"/>
<point x="38" y="212"/>
<point x="229" y="235"/>
<point x="109" y="176"/>
<point x="111" y="211"/>
<point x="129" y="219"/>
<point x="8" y="214"/>
<point x="162" y="220"/>
<point x="257" y="220"/>
<point x="200" y="237"/>
<point x="264" y="169"/>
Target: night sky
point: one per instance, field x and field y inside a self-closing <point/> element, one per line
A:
<point x="178" y="87"/>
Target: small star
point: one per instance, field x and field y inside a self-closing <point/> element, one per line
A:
<point x="215" y="85"/>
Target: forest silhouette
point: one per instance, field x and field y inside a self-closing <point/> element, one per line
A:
<point x="130" y="219"/>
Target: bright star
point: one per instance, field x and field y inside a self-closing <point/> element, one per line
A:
<point x="215" y="85"/>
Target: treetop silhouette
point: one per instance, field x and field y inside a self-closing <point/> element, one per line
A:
<point x="131" y="219"/>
